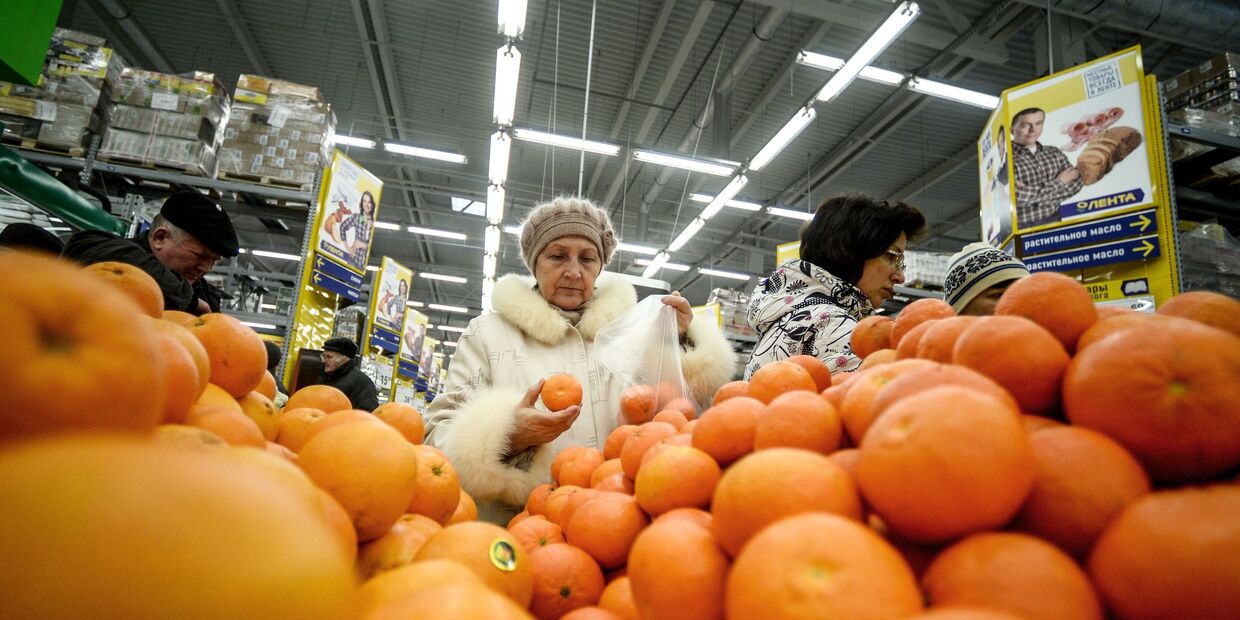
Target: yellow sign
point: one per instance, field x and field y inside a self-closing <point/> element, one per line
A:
<point x="712" y="313"/>
<point x="348" y="205"/>
<point x="995" y="179"/>
<point x="786" y="251"/>
<point x="389" y="292"/>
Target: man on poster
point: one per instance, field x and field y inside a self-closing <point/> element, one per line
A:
<point x="1044" y="176"/>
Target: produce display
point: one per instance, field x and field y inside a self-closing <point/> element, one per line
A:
<point x="1053" y="461"/>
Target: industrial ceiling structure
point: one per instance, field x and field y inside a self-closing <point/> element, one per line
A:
<point x="709" y="80"/>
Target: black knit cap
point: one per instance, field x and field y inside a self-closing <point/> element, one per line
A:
<point x="343" y="346"/>
<point x="23" y="236"/>
<point x="204" y="219"/>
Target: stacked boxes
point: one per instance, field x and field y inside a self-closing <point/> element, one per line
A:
<point x="1213" y="83"/>
<point x="166" y="120"/>
<point x="277" y="131"/>
<point x="1209" y="259"/>
<point x="925" y="269"/>
<point x="733" y="306"/>
<point x="62" y="110"/>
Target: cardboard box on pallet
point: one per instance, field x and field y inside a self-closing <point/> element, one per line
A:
<point x="166" y="120"/>
<point x="277" y="130"/>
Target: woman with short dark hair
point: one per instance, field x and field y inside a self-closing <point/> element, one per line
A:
<point x="852" y="256"/>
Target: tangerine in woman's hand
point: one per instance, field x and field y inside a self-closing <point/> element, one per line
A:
<point x="561" y="391"/>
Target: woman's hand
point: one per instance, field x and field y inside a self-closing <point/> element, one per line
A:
<point x="684" y="314"/>
<point x="535" y="427"/>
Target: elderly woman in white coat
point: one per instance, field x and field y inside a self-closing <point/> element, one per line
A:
<point x="489" y="420"/>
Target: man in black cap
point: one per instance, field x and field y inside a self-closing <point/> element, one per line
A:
<point x="341" y="372"/>
<point x="184" y="242"/>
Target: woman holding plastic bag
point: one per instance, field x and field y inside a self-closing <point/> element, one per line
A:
<point x="489" y="420"/>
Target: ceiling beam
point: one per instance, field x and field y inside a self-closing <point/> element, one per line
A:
<point x="140" y="47"/>
<point x="953" y="15"/>
<point x="242" y="31"/>
<point x="932" y="177"/>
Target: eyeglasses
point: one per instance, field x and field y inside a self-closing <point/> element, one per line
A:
<point x="896" y="259"/>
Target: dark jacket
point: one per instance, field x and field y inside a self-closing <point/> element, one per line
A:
<point x="355" y="384"/>
<point x="92" y="246"/>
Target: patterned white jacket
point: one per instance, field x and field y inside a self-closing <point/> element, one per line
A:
<point x="502" y="354"/>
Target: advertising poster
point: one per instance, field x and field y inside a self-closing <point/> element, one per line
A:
<point x="786" y="251"/>
<point x="386" y="318"/>
<point x="1080" y="143"/>
<point x="994" y="179"/>
<point x="412" y="335"/>
<point x="350" y="204"/>
<point x="426" y="360"/>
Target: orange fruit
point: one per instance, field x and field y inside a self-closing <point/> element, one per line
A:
<point x="590" y="612"/>
<point x="819" y="565"/>
<point x="403" y="418"/>
<point x="638" y="404"/>
<point x="561" y="391"/>
<point x="857" y="408"/>
<point x="134" y="283"/>
<point x="267" y="386"/>
<point x="78" y="357"/>
<point x="671" y="416"/>
<point x="730" y="389"/>
<point x="1114" y="324"/>
<point x="191" y="437"/>
<point x="965" y="613"/>
<point x="1012" y="572"/>
<point x="228" y="423"/>
<point x="265" y="415"/>
<point x="1206" y="307"/>
<point x="438" y="489"/>
<point x="215" y="396"/>
<point x="337" y="418"/>
<point x="490" y="552"/>
<point x="1057" y="302"/>
<point x="615" y="482"/>
<point x="915" y="314"/>
<point x="409" y="578"/>
<point x="773" y="484"/>
<point x="605" y="527"/>
<point x="449" y="601"/>
<point x="615" y="440"/>
<point x="282" y="452"/>
<point x="556" y="502"/>
<point x="325" y="398"/>
<point x="939" y="340"/>
<point x="180" y="376"/>
<point x="1106" y="312"/>
<point x="609" y="467"/>
<point x="1172" y="554"/>
<point x="191" y="345"/>
<point x="559" y="460"/>
<point x="576" y="467"/>
<point x="1035" y="423"/>
<point x="369" y="468"/>
<point x="871" y="334"/>
<point x="798" y="420"/>
<point x="1083" y="480"/>
<point x="1171" y="396"/>
<point x="696" y="516"/>
<point x="237" y="355"/>
<point x="80" y="510"/>
<point x="565" y="578"/>
<point x="397" y="546"/>
<point x="937" y="375"/>
<point x="641" y="440"/>
<point x="536" y="502"/>
<point x="877" y="358"/>
<point x="176" y="316"/>
<point x="816" y="369"/>
<point x="726" y="431"/>
<point x="687" y="428"/>
<point x="679" y="477"/>
<point x="677" y="440"/>
<point x="682" y="405"/>
<point x="779" y="377"/>
<point x="572" y="503"/>
<point x="618" y="599"/>
<point x="294" y="426"/>
<point x="677" y="571"/>
<point x="466" y="509"/>
<point x="341" y="525"/>
<point x="912" y="340"/>
<point x="536" y="531"/>
<point x="1019" y="355"/>
<point x="840" y="377"/>
<point x="945" y="463"/>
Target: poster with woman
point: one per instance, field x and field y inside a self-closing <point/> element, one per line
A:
<point x="389" y="295"/>
<point x="412" y="335"/>
<point x="994" y="180"/>
<point x="350" y="204"/>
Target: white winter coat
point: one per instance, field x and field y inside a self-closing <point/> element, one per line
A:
<point x="502" y="354"/>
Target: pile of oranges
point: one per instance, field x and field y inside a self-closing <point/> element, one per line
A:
<point x="1052" y="461"/>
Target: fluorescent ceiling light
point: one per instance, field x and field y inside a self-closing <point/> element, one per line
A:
<point x="785" y="135"/>
<point x="414" y="304"/>
<point x="892" y="27"/>
<point x="448" y="343"/>
<point x="436" y="276"/>
<point x="361" y="143"/>
<point x="735" y="204"/>
<point x="501" y="148"/>
<point x="388" y="225"/>
<point x="796" y="215"/>
<point x="445" y="308"/>
<point x="495" y="204"/>
<point x="491" y="240"/>
<point x="511" y="18"/>
<point x="450" y="328"/>
<point x="954" y="93"/>
<point x="488" y="285"/>
<point x="636" y="249"/>
<point x="723" y="274"/>
<point x="267" y="306"/>
<point x="684" y="163"/>
<point x="372" y="268"/>
<point x="435" y="232"/>
<point x="653" y="266"/>
<point x="57" y="228"/>
<point x="417" y="151"/>
<point x="279" y="255"/>
<point x="882" y="76"/>
<point x="507" y="73"/>
<point x="831" y="63"/>
<point x="513" y="230"/>
<point x="258" y="325"/>
<point x="589" y="146"/>
<point x="685" y="235"/>
<point x="672" y="266"/>
<point x="730" y="191"/>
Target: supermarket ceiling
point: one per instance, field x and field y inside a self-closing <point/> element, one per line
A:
<point x="701" y="79"/>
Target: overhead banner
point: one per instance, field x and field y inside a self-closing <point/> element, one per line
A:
<point x="994" y="179"/>
<point x="388" y="294"/>
<point x="411" y="343"/>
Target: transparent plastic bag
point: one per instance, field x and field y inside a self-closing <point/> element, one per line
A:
<point x="642" y="350"/>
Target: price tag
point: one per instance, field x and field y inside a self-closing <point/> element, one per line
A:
<point x="164" y="101"/>
<point x="45" y="111"/>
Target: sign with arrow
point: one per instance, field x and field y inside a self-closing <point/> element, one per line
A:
<point x="1139" y="223"/>
<point x="1141" y="248"/>
<point x="332" y="269"/>
<point x="329" y="283"/>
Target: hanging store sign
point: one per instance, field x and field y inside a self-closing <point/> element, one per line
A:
<point x="388" y="295"/>
<point x="1141" y="248"/>
<point x="1117" y="227"/>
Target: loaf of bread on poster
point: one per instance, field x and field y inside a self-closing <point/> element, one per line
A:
<point x="1104" y="150"/>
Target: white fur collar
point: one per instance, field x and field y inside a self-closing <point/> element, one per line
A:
<point x="516" y="300"/>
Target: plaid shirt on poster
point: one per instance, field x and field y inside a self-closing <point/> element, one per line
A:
<point x="1038" y="201"/>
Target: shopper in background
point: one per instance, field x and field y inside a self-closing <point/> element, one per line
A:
<point x="28" y="237"/>
<point x="977" y="276"/>
<point x="852" y="256"/>
<point x="273" y="364"/>
<point x="1044" y="176"/>
<point x="486" y="420"/>
<point x="341" y="372"/>
<point x="190" y="234"/>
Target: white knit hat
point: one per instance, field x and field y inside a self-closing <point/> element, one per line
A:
<point x="976" y="268"/>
